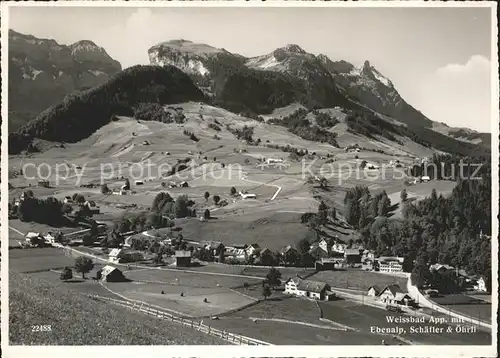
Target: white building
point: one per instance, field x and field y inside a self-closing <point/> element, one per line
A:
<point x="115" y="255"/>
<point x="393" y="295"/>
<point x="252" y="249"/>
<point x="306" y="288"/>
<point x="390" y="264"/>
<point x="339" y="247"/>
<point x="374" y="291"/>
<point x="480" y="285"/>
<point x="425" y="179"/>
<point x="273" y="161"/>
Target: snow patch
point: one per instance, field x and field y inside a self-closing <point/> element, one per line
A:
<point x="96" y="73"/>
<point x="355" y="72"/>
<point x="381" y="78"/>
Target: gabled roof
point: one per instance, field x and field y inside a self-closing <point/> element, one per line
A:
<point x="106" y="270"/>
<point x="115" y="252"/>
<point x="394" y="289"/>
<point x="255" y="246"/>
<point x="401" y="295"/>
<point x="311" y="286"/>
<point x="352" y="252"/>
<point x="376" y="288"/>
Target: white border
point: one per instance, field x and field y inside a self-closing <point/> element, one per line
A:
<point x="232" y="351"/>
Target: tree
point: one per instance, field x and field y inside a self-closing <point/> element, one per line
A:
<point x="181" y="207"/>
<point x="266" y="291"/>
<point x="216" y="199"/>
<point x="104" y="189"/>
<point x="83" y="264"/>
<point x="66" y="208"/>
<point x="323" y="183"/>
<point x="158" y="259"/>
<point x="66" y="274"/>
<point x="273" y="277"/>
<point x="233" y="191"/>
<point x="88" y="240"/>
<point x="404" y="195"/>
<point x="334" y="214"/>
<point x="322" y="213"/>
<point x="206" y="214"/>
<point x="221" y="255"/>
<point x="303" y="246"/>
<point x="206" y="195"/>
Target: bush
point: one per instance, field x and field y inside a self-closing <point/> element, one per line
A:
<point x="152" y="112"/>
<point x="66" y="274"/>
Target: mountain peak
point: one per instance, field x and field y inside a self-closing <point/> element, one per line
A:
<point x="293" y="48"/>
<point x="85" y="46"/>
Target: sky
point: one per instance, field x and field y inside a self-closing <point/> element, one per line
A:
<point x="439" y="59"/>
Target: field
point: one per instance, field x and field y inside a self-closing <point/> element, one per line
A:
<point x="78" y="320"/>
<point x="358" y="280"/>
<point x="36" y="260"/>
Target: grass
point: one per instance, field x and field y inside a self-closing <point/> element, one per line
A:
<point x="78" y="320"/>
<point x="282" y="307"/>
<point x="482" y="312"/>
<point x="359" y="280"/>
<point x="38" y="259"/>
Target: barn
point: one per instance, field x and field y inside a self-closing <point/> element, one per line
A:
<point x="111" y="274"/>
<point x="182" y="258"/>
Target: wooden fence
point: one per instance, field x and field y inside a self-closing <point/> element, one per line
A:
<point x="199" y="326"/>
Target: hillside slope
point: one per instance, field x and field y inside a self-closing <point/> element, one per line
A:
<point x="42" y="72"/>
<point x="80" y="115"/>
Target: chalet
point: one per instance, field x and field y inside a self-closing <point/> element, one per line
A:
<point x="352" y="256"/>
<point x="326" y="245"/>
<point x="373" y="291"/>
<point x="394" y="295"/>
<point x="184" y="184"/>
<point x="317" y="252"/>
<point x="442" y="269"/>
<point x="92" y="206"/>
<point x="183" y="258"/>
<point x="139" y="182"/>
<point x="252" y="249"/>
<point x="307" y="288"/>
<point x="367" y="255"/>
<point x="329" y="263"/>
<point x="288" y="250"/>
<point x="425" y="179"/>
<point x="111" y="274"/>
<point x="480" y="285"/>
<point x="115" y="255"/>
<point x="390" y="264"/>
<point x="338" y="247"/>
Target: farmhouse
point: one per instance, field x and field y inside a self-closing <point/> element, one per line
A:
<point x="480" y="285"/>
<point x="317" y="252"/>
<point x="390" y="264"/>
<point x="184" y="184"/>
<point x="352" y="256"/>
<point x="393" y="295"/>
<point x="373" y="291"/>
<point x="111" y="274"/>
<point x="329" y="263"/>
<point x="139" y="182"/>
<point x="182" y="258"/>
<point x="425" y="179"/>
<point x="115" y="255"/>
<point x="338" y="248"/>
<point x="326" y="244"/>
<point x="273" y="161"/>
<point x="307" y="288"/>
<point x="252" y="249"/>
